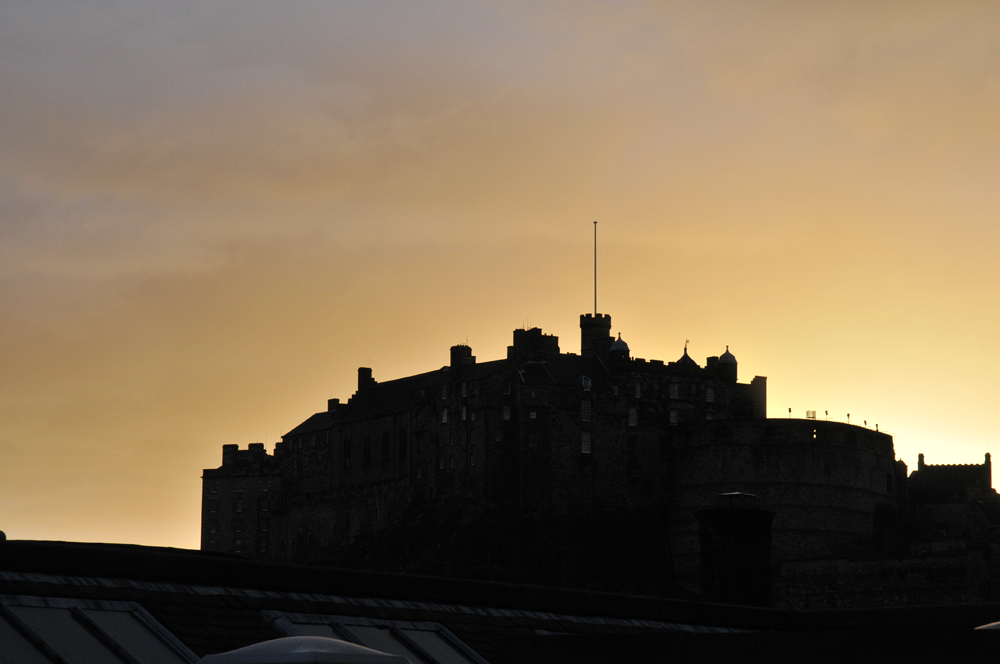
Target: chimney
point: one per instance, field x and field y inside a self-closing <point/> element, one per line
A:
<point x="460" y="355"/>
<point x="365" y="379"/>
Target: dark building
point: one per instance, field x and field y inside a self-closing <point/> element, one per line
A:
<point x="553" y="467"/>
<point x="73" y="602"/>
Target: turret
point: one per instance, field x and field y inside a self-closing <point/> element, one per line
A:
<point x="727" y="366"/>
<point x="595" y="334"/>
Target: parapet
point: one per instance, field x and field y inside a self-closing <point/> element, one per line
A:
<point x="255" y="454"/>
<point x="952" y="476"/>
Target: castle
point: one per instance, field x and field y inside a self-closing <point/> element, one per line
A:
<point x="565" y="438"/>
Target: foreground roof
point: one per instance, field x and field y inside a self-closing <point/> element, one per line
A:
<point x="171" y="605"/>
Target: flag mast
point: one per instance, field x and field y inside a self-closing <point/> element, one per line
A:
<point x="595" y="269"/>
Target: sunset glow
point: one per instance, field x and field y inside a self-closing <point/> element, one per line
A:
<point x="211" y="215"/>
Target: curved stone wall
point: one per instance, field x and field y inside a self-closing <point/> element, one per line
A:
<point x="822" y="479"/>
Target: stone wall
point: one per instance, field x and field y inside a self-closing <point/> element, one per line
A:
<point x="823" y="480"/>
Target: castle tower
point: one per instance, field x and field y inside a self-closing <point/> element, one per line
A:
<point x="595" y="334"/>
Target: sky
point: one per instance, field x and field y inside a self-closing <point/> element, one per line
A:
<point x="211" y="214"/>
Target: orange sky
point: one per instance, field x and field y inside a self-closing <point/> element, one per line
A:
<point x="211" y="216"/>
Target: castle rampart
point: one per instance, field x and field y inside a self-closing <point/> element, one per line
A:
<point x="824" y="481"/>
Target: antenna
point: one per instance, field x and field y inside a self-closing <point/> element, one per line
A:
<point x="595" y="269"/>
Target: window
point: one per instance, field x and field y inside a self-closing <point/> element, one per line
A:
<point x="263" y="504"/>
<point x="463" y="413"/>
<point x="472" y="459"/>
<point x="213" y="487"/>
<point x="506" y="387"/>
<point x="239" y="503"/>
<point x="585" y="442"/>
<point x="213" y="506"/>
<point x="533" y="414"/>
<point x="451" y="462"/>
<point x="710" y="394"/>
<point x="444" y="416"/>
<point x="585" y="411"/>
<point x="633" y="417"/>
<point x="586" y="383"/>
<point x="614" y="390"/>
<point x="472" y="438"/>
<point x="638" y="389"/>
<point x="264" y="485"/>
<point x="673" y="417"/>
<point x="444" y="391"/>
<point x="238" y="546"/>
<point x="465" y="391"/>
<point x="263" y="545"/>
<point x="506" y="412"/>
<point x="472" y="416"/>
<point x="441" y="463"/>
<point x="674" y="390"/>
<point x="238" y="526"/>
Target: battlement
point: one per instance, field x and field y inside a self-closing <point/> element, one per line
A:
<point x="233" y="456"/>
<point x="953" y="476"/>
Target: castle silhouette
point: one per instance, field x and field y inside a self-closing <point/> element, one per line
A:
<point x="600" y="470"/>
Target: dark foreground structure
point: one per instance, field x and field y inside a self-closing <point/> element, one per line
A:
<point x="589" y="471"/>
<point x="68" y="602"/>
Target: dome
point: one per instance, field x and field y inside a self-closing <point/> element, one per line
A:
<point x="727" y="357"/>
<point x="303" y="649"/>
<point x="618" y="344"/>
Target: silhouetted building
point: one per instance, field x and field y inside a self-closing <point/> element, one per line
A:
<point x="87" y="602"/>
<point x="549" y="467"/>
